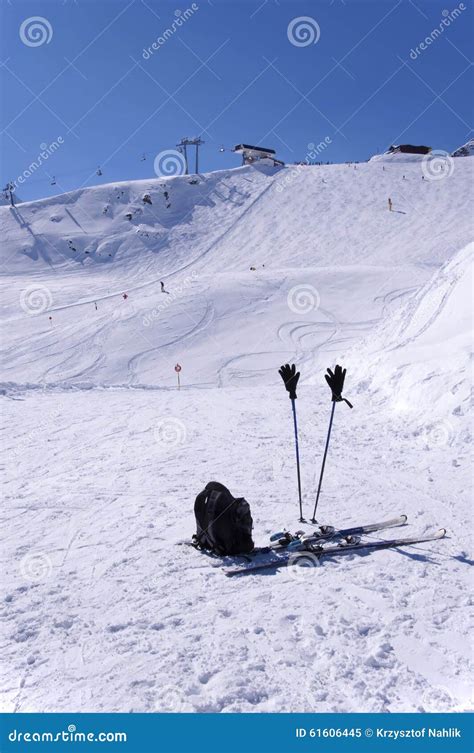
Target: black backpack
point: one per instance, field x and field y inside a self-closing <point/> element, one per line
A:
<point x="224" y="523"/>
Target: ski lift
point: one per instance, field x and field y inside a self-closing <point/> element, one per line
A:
<point x="53" y="181"/>
<point x="98" y="171"/>
<point x="143" y="157"/>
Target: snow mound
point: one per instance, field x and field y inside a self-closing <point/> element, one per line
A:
<point x="417" y="359"/>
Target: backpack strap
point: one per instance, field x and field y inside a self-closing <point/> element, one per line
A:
<point x="204" y="508"/>
<point x="199" y="538"/>
<point x="213" y="496"/>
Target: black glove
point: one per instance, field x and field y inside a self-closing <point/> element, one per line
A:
<point x="335" y="379"/>
<point x="290" y="377"/>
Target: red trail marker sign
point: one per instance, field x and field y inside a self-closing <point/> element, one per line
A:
<point x="177" y="368"/>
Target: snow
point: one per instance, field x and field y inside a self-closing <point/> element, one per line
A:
<point x="466" y="150"/>
<point x="416" y="358"/>
<point x="397" y="158"/>
<point x="104" y="609"/>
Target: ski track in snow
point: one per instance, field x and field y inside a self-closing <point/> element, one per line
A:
<point x="197" y="328"/>
<point x="159" y="625"/>
<point x="104" y="609"/>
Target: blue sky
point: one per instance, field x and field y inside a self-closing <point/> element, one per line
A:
<point x="230" y="72"/>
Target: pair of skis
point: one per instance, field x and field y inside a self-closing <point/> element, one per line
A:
<point x="309" y="551"/>
<point x="300" y="540"/>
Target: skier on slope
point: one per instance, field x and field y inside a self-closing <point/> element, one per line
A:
<point x="163" y="288"/>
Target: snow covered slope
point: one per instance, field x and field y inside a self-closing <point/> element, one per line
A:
<point x="328" y="256"/>
<point x="418" y="359"/>
<point x="103" y="610"/>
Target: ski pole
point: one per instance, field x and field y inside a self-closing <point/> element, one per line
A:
<point x="293" y="407"/>
<point x="290" y="379"/>
<point x="335" y="381"/>
<point x="313" y="519"/>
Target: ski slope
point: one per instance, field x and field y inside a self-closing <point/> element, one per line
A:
<point x="320" y="239"/>
<point x="104" y="609"/>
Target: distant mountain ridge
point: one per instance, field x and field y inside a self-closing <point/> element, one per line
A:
<point x="466" y="150"/>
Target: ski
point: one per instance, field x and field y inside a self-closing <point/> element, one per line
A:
<point x="286" y="540"/>
<point x="312" y="555"/>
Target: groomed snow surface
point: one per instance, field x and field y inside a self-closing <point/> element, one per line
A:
<point x="104" y="609"/>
